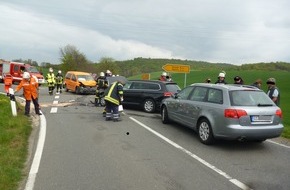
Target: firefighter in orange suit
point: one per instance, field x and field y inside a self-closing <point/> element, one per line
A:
<point x="30" y="91"/>
<point x="8" y="83"/>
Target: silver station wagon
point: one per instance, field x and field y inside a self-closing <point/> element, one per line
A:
<point x="218" y="111"/>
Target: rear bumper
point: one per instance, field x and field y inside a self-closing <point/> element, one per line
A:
<point x="251" y="132"/>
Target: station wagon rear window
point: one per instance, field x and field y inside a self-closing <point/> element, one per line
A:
<point x="250" y="98"/>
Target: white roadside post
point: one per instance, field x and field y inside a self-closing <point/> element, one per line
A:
<point x="12" y="102"/>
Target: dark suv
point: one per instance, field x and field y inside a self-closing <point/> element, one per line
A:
<point x="148" y="94"/>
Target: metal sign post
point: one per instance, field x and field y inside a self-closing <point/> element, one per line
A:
<point x="12" y="102"/>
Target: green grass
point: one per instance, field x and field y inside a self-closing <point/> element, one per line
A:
<point x="14" y="134"/>
<point x="249" y="77"/>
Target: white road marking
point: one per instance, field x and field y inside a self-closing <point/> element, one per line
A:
<point x="56" y="97"/>
<point x="231" y="179"/>
<point x="37" y="156"/>
<point x="285" y="146"/>
<point x="55" y="102"/>
<point x="53" y="110"/>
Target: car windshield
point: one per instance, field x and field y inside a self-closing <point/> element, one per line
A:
<point x="32" y="69"/>
<point x="250" y="98"/>
<point x="172" y="88"/>
<point x="85" y="78"/>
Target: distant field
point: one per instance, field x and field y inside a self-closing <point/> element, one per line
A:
<point x="282" y="78"/>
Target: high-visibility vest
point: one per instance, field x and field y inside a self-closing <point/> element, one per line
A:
<point x="50" y="78"/>
<point x="59" y="79"/>
<point x="113" y="93"/>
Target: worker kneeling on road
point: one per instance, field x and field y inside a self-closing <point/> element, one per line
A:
<point x="30" y="87"/>
<point x="113" y="98"/>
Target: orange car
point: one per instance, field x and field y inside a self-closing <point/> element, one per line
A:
<point x="80" y="82"/>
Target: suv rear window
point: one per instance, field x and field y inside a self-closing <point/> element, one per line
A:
<point x="174" y="88"/>
<point x="249" y="98"/>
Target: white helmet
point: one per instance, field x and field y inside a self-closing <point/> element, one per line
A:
<point x="164" y="74"/>
<point x="102" y="74"/>
<point x="26" y="75"/>
<point x="108" y="72"/>
<point x="59" y="71"/>
<point x="50" y="70"/>
<point x="222" y="75"/>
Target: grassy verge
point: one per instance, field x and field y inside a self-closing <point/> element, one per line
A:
<point x="14" y="134"/>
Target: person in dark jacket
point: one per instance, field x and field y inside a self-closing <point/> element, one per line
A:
<point x="221" y="78"/>
<point x="102" y="85"/>
<point x="113" y="98"/>
<point x="59" y="82"/>
<point x="238" y="80"/>
<point x="273" y="91"/>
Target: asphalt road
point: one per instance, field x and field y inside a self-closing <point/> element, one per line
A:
<point x="83" y="151"/>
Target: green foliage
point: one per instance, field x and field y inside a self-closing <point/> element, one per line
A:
<point x="14" y="134"/>
<point x="107" y="63"/>
<point x="73" y="60"/>
<point x="138" y="66"/>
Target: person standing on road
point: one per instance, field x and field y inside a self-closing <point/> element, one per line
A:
<point x="238" y="80"/>
<point x="273" y="91"/>
<point x="113" y="98"/>
<point x="59" y="82"/>
<point x="257" y="83"/>
<point x="50" y="78"/>
<point x="30" y="91"/>
<point x="221" y="78"/>
<point x="108" y="73"/>
<point x="163" y="76"/>
<point x="207" y="80"/>
<point x="8" y="80"/>
<point x="102" y="84"/>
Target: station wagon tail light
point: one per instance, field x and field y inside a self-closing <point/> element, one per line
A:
<point x="167" y="94"/>
<point x="279" y="113"/>
<point x="235" y="113"/>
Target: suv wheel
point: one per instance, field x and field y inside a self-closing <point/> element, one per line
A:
<point x="149" y="105"/>
<point x="164" y="115"/>
<point x="205" y="133"/>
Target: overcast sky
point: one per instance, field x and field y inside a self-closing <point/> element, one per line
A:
<point x="228" y="31"/>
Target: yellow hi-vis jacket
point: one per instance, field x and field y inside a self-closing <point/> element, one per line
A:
<point x="50" y="78"/>
<point x="114" y="93"/>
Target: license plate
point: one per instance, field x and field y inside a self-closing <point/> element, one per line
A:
<point x="261" y="118"/>
<point x="254" y="118"/>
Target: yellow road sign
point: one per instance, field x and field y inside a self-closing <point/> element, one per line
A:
<point x="145" y="76"/>
<point x="176" y="68"/>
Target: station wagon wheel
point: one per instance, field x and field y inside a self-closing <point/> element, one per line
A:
<point x="149" y="105"/>
<point x="205" y="133"/>
<point x="164" y="115"/>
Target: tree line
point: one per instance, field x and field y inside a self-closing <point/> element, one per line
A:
<point x="72" y="59"/>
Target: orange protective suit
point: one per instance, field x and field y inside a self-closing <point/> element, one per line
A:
<point x="29" y="88"/>
<point x="7" y="82"/>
